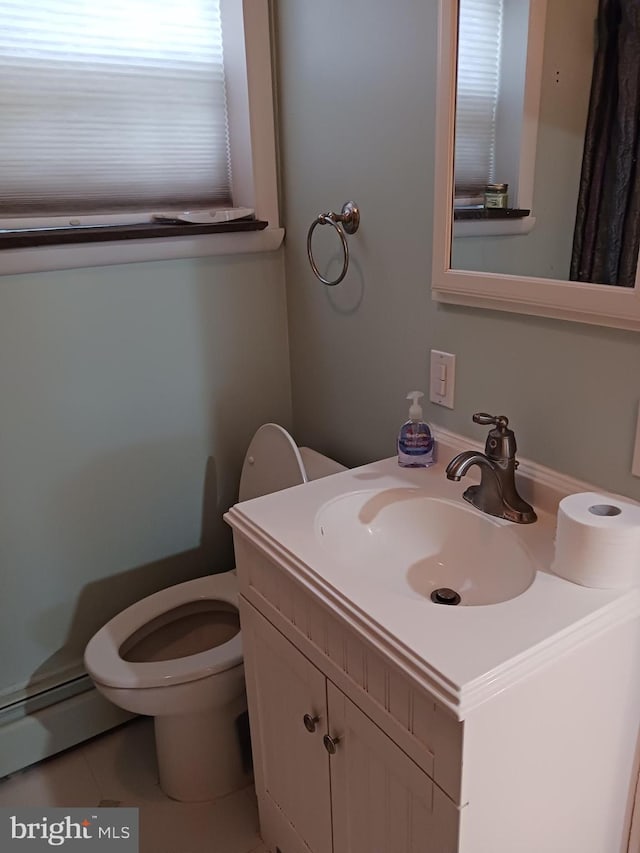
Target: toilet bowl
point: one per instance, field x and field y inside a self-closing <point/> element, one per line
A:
<point x="176" y="655"/>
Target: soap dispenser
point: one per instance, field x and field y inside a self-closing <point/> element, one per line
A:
<point x="415" y="442"/>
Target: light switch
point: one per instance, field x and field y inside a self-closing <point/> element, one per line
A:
<point x="442" y="378"/>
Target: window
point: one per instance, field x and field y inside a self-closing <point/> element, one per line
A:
<point x="113" y="112"/>
<point x="499" y="76"/>
<point x="478" y="86"/>
<point x="113" y="106"/>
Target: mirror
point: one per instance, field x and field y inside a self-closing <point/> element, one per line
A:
<point x="522" y="263"/>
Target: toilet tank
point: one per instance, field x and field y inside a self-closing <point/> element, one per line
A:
<point x="273" y="462"/>
<point x="316" y="465"/>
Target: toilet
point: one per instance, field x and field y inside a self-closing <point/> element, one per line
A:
<point x="177" y="654"/>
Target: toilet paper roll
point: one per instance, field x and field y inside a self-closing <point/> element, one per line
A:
<point x="598" y="541"/>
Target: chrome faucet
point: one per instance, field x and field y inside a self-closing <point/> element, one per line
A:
<point x="497" y="494"/>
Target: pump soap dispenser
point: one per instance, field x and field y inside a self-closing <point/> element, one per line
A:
<point x="415" y="442"/>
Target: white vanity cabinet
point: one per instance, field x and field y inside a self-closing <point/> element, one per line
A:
<point x="511" y="728"/>
<point x="368" y="795"/>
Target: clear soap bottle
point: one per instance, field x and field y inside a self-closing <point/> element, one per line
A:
<point x="415" y="442"/>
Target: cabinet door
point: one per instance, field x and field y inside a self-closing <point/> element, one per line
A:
<point x="291" y="766"/>
<point x="382" y="801"/>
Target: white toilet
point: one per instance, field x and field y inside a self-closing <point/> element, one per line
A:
<point x="177" y="654"/>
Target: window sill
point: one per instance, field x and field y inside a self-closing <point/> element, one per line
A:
<point x="191" y="243"/>
<point x="493" y="227"/>
<point x="27" y="238"/>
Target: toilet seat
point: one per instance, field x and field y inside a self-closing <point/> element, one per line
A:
<point x="102" y="655"/>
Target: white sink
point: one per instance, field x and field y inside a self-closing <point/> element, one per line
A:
<point x="407" y="542"/>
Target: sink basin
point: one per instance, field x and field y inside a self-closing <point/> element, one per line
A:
<point x="407" y="542"/>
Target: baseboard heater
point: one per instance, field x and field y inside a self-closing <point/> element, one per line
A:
<point x="54" y="720"/>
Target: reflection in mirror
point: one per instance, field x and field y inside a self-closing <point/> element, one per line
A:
<point x="525" y="101"/>
<point x="607" y="234"/>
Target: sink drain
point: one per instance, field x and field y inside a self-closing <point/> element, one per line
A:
<point x="444" y="595"/>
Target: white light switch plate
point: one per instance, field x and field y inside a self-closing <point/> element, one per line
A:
<point x="442" y="378"/>
<point x="635" y="465"/>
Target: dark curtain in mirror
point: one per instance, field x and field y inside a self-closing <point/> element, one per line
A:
<point x="607" y="231"/>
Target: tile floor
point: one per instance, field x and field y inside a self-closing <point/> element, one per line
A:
<point x="120" y="766"/>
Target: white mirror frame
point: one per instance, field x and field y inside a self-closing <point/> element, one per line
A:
<point x="599" y="304"/>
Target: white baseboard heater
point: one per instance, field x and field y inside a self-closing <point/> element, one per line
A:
<point x="54" y="720"/>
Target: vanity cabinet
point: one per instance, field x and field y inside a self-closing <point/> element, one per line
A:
<point x="328" y="778"/>
<point x="435" y="751"/>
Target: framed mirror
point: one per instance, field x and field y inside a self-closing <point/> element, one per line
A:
<point x="526" y="255"/>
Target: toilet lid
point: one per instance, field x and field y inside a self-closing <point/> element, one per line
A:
<point x="272" y="463"/>
<point x="102" y="655"/>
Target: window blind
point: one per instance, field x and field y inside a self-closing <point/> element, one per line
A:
<point x="478" y="85"/>
<point x="111" y="106"/>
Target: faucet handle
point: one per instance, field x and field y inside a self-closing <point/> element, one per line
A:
<point x="501" y="441"/>
<point x="501" y="421"/>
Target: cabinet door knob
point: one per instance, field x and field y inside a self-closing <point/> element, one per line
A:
<point x="330" y="744"/>
<point x="310" y="722"/>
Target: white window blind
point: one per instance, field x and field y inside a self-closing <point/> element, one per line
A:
<point x="111" y="106"/>
<point x="478" y="86"/>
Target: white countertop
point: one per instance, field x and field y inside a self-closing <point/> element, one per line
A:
<point x="464" y="655"/>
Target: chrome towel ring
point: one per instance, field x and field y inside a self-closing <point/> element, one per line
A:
<point x="346" y="222"/>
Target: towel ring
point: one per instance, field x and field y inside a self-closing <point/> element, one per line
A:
<point x="346" y="222"/>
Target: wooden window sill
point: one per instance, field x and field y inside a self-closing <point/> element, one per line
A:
<point x="24" y="238"/>
<point x="131" y="246"/>
<point x="480" y="213"/>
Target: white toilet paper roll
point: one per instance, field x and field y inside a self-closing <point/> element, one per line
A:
<point x="598" y="541"/>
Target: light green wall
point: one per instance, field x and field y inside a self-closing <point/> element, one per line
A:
<point x="357" y="93"/>
<point x="129" y="395"/>
<point x="118" y="384"/>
